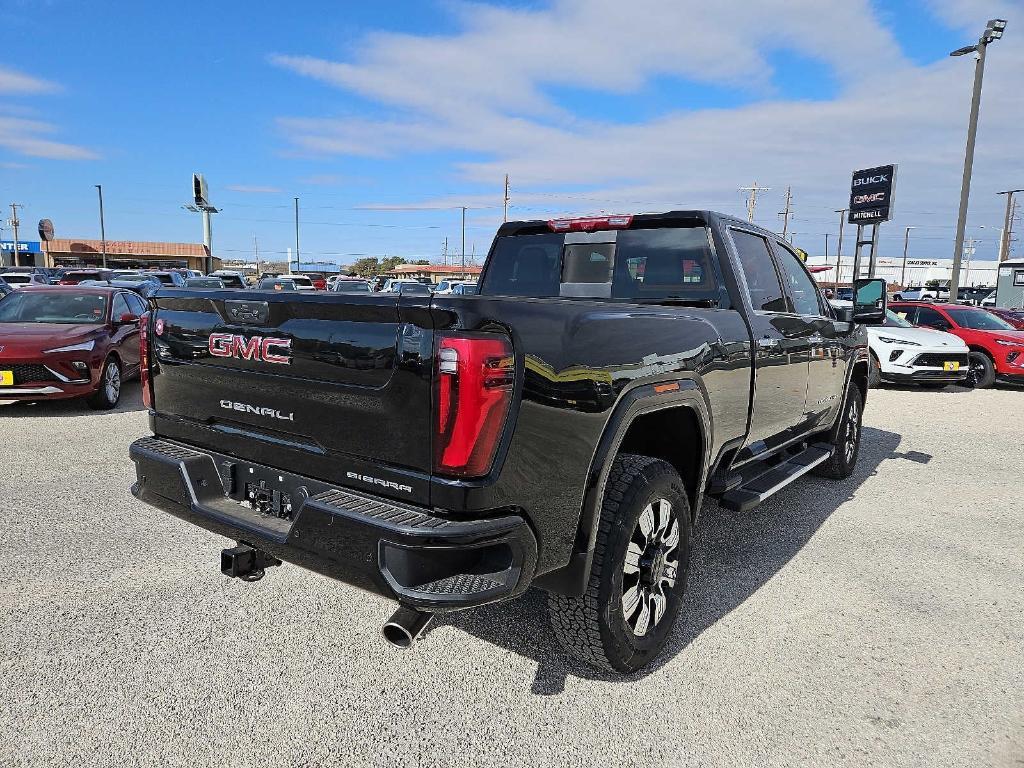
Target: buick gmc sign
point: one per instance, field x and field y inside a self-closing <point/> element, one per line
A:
<point x="871" y="195"/>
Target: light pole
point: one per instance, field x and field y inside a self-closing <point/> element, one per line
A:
<point x="463" y="242"/>
<point x="1004" y="238"/>
<point x="839" y="249"/>
<point x="296" y="235"/>
<point x="103" y="230"/>
<point x="906" y="242"/>
<point x="993" y="31"/>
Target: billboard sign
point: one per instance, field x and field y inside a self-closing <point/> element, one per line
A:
<point x="871" y="195"/>
<point x="24" y="246"/>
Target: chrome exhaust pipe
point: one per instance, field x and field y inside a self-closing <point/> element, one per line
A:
<point x="406" y="626"/>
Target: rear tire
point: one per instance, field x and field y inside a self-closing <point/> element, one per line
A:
<point x="982" y="373"/>
<point x="109" y="392"/>
<point x="847" y="442"/>
<point x="638" y="576"/>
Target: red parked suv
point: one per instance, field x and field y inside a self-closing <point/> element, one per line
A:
<point x="996" y="347"/>
<point x="62" y="342"/>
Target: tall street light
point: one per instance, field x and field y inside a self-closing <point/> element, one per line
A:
<point x="906" y="242"/>
<point x="1004" y="239"/>
<point x="103" y="229"/>
<point x="992" y="32"/>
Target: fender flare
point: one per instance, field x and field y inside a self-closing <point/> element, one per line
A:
<point x="644" y="399"/>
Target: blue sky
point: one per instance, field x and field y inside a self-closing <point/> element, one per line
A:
<point x="384" y="118"/>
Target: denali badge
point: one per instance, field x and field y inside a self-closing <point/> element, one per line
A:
<point x="271" y="413"/>
<point x="378" y="481"/>
<point x="251" y="348"/>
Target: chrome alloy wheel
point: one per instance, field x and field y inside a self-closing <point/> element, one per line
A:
<point x="652" y="565"/>
<point x="851" y="430"/>
<point x="112" y="382"/>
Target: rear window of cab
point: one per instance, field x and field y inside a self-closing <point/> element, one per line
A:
<point x="630" y="264"/>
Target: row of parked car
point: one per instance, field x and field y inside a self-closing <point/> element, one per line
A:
<point x="934" y="344"/>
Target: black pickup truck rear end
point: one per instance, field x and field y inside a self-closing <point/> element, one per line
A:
<point x="449" y="451"/>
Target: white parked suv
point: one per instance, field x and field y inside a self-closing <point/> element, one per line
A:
<point x="302" y="282"/>
<point x="921" y="293"/>
<point x="903" y="353"/>
<point x="448" y="286"/>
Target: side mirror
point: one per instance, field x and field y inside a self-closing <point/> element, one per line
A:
<point x="869" y="301"/>
<point x="128" y="319"/>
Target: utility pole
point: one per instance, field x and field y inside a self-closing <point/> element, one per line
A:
<point x="103" y="229"/>
<point x="256" y="253"/>
<point x="296" y="235"/>
<point x="785" y="213"/>
<point x="906" y="243"/>
<point x="993" y="31"/>
<point x="752" y="199"/>
<point x="506" y="197"/>
<point x="839" y="249"/>
<point x="463" y="242"/>
<point x="1004" y="241"/>
<point x="15" y="258"/>
<point x="445" y="252"/>
<point x="969" y="251"/>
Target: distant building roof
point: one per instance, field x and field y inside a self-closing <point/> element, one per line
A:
<point x="434" y="269"/>
<point x="130" y="247"/>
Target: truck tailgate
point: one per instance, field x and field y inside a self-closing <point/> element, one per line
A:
<point x="321" y="384"/>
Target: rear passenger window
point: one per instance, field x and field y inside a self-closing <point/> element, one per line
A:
<point x="759" y="272"/>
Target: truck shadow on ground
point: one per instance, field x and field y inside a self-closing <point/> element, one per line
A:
<point x="131" y="400"/>
<point x="734" y="555"/>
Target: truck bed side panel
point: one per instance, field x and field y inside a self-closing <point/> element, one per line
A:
<point x="578" y="358"/>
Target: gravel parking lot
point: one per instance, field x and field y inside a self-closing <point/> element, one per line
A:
<point x="875" y="621"/>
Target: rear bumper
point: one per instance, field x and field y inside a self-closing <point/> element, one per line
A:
<point x="396" y="550"/>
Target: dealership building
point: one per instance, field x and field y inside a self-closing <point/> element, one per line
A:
<point x="124" y="254"/>
<point x="918" y="271"/>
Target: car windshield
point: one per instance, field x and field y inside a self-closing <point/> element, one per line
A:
<point x="165" y="278"/>
<point x="203" y="282"/>
<point x="18" y="279"/>
<point x="53" y="307"/>
<point x="978" y="320"/>
<point x="277" y="285"/>
<point x="303" y="281"/>
<point x="892" y="320"/>
<point x="133" y="277"/>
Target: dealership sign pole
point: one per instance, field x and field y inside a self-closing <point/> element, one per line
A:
<point x="871" y="202"/>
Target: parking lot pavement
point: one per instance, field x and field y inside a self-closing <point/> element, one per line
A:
<point x="874" y="621"/>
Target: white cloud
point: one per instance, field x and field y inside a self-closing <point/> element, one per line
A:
<point x="20" y="132"/>
<point x="253" y="189"/>
<point x="27" y="137"/>
<point x="12" y="81"/>
<point x="485" y="92"/>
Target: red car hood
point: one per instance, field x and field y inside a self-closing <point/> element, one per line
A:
<point x="21" y="339"/>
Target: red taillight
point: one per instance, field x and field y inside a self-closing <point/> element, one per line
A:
<point x="147" y="385"/>
<point x="590" y="223"/>
<point x="475" y="377"/>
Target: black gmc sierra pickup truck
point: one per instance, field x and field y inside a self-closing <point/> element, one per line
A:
<point x="559" y="430"/>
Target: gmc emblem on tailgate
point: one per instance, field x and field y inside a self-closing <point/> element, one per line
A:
<point x="265" y="348"/>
